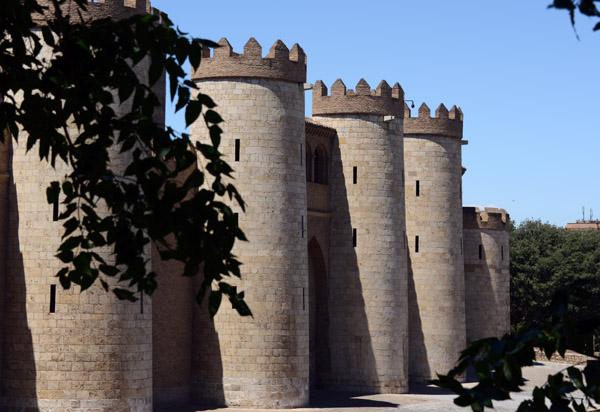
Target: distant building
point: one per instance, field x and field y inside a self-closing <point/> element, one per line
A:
<point x="584" y="225"/>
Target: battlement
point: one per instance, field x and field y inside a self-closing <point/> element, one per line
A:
<point x="280" y="64"/>
<point x="383" y="101"/>
<point x="445" y="123"/>
<point x="99" y="9"/>
<point x="490" y="218"/>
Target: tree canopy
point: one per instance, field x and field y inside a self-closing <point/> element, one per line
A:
<point x="91" y="84"/>
<point x="545" y="259"/>
<point x="584" y="7"/>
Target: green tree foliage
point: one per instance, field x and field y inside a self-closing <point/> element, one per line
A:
<point x="498" y="364"/>
<point x="545" y="259"/>
<point x="585" y="7"/>
<point x="92" y="72"/>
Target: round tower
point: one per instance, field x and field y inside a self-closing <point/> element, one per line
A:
<point x="487" y="276"/>
<point x="260" y="361"/>
<point x="368" y="311"/>
<point x="432" y="158"/>
<point x="4" y="178"/>
<point x="66" y="350"/>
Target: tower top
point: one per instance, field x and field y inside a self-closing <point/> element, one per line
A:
<point x="280" y="64"/>
<point x="490" y="218"/>
<point x="445" y="123"/>
<point x="117" y="9"/>
<point x="384" y="101"/>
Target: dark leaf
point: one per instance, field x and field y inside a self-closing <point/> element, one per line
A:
<point x="192" y="112"/>
<point x="124" y="294"/>
<point x="214" y="302"/>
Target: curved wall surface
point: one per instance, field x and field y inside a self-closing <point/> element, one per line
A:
<point x="65" y="350"/>
<point x="487" y="276"/>
<point x="368" y="311"/>
<point x="261" y="362"/>
<point x="434" y="229"/>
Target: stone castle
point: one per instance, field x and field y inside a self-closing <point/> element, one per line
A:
<point x="363" y="270"/>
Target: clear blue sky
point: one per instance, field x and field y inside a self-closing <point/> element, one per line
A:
<point x="529" y="89"/>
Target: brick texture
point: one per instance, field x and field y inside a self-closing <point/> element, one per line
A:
<point x="261" y="361"/>
<point x="436" y="271"/>
<point x="487" y="277"/>
<point x="368" y="319"/>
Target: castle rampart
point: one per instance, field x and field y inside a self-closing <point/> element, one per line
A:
<point x="356" y="285"/>
<point x="280" y="64"/>
<point x="115" y="9"/>
<point x="445" y="123"/>
<point x="263" y="139"/>
<point x="368" y="320"/>
<point x="433" y="173"/>
<point x="67" y="350"/>
<point x="487" y="276"/>
<point x="4" y="181"/>
<point x="488" y="218"/>
<point x="384" y="100"/>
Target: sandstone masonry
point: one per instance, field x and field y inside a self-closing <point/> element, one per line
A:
<point x="363" y="269"/>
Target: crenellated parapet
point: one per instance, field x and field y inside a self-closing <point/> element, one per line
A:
<point x="445" y="123"/>
<point x="280" y="64"/>
<point x="383" y="101"/>
<point x="490" y="218"/>
<point x="117" y="9"/>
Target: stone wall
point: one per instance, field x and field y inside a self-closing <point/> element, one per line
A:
<point x="260" y="361"/>
<point x="4" y="181"/>
<point x="436" y="275"/>
<point x="93" y="351"/>
<point x="367" y="282"/>
<point x="116" y="9"/>
<point x="487" y="276"/>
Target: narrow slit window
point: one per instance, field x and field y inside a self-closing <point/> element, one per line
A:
<point x="301" y="155"/>
<point x="141" y="302"/>
<point x="303" y="299"/>
<point x="355" y="175"/>
<point x="418" y="188"/>
<point x="302" y="226"/>
<point x="502" y="252"/>
<point x="402" y="177"/>
<point x="354" y="237"/>
<point x="236" y="217"/>
<point x="480" y="252"/>
<point x="416" y="244"/>
<point x="237" y="150"/>
<point x="52" y="298"/>
<point x="55" y="211"/>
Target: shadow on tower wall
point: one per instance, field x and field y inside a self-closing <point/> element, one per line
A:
<point x="415" y="327"/>
<point x="353" y="365"/>
<point x="207" y="366"/>
<point x="172" y="322"/>
<point x="320" y="353"/>
<point x="18" y="371"/>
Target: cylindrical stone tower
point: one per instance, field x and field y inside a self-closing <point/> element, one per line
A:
<point x="4" y="178"/>
<point x="432" y="158"/>
<point x="368" y="309"/>
<point x="487" y="276"/>
<point x="66" y="350"/>
<point x="260" y="361"/>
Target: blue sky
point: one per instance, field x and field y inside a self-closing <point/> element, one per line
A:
<point x="528" y="88"/>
